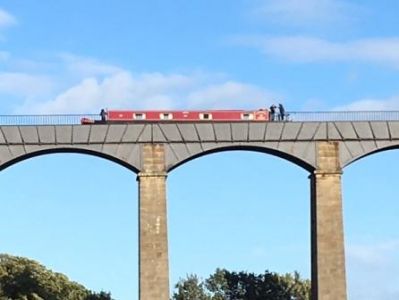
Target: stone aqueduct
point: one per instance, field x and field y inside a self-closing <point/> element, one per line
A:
<point x="153" y="149"/>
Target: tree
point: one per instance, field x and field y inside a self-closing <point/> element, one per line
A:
<point x="226" y="285"/>
<point x="25" y="279"/>
<point x="218" y="285"/>
<point x="190" y="288"/>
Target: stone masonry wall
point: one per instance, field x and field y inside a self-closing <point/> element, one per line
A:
<point x="328" y="255"/>
<point x="153" y="266"/>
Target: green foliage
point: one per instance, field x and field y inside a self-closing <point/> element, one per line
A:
<point x="24" y="279"/>
<point x="226" y="285"/>
<point x="190" y="289"/>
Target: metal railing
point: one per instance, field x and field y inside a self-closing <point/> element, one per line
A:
<point x="337" y="116"/>
<point x="46" y="119"/>
<point x="293" y="116"/>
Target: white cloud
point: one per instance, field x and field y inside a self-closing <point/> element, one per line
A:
<point x="309" y="49"/>
<point x="305" y="12"/>
<point x="370" y="104"/>
<point x="85" y="66"/>
<point x="151" y="91"/>
<point x="85" y="85"/>
<point x="6" y="19"/>
<point x="91" y="94"/>
<point x="22" y="84"/>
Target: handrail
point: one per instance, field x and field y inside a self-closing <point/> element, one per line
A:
<point x="339" y="116"/>
<point x="57" y="119"/>
<point x="292" y="116"/>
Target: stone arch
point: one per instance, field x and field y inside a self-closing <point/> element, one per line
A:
<point x="351" y="153"/>
<point x="255" y="148"/>
<point x="9" y="160"/>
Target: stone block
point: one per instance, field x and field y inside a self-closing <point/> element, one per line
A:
<point x="46" y="134"/>
<point x="29" y="134"/>
<point x="115" y="133"/>
<point x="146" y="134"/>
<point x="239" y="131"/>
<point x="394" y="129"/>
<point x="63" y="134"/>
<point x="11" y="134"/>
<point x="346" y="130"/>
<point x="380" y="130"/>
<point x="274" y="131"/>
<point x="257" y="131"/>
<point x="171" y="132"/>
<point x="321" y="132"/>
<point x="80" y="134"/>
<point x="157" y="134"/>
<point x="308" y="131"/>
<point x="188" y="132"/>
<point x="205" y="132"/>
<point x="222" y="132"/>
<point x="332" y="132"/>
<point x="290" y="131"/>
<point x="132" y="133"/>
<point x="363" y="130"/>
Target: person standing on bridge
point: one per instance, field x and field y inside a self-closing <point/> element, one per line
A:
<point x="272" y="112"/>
<point x="281" y="111"/>
<point x="103" y="115"/>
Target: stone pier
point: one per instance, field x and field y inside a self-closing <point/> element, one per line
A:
<point x="153" y="252"/>
<point x="327" y="234"/>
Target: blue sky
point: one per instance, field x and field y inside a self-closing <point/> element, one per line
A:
<point x="78" y="214"/>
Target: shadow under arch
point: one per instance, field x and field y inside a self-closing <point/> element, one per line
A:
<point x="291" y="158"/>
<point x="379" y="150"/>
<point x="67" y="150"/>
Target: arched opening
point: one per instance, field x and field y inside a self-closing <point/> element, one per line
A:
<point x="76" y="214"/>
<point x="239" y="210"/>
<point x="78" y="150"/>
<point x="371" y="209"/>
<point x="284" y="155"/>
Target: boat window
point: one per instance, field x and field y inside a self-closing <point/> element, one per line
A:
<point x="139" y="116"/>
<point x="166" y="116"/>
<point x="247" y="116"/>
<point x="205" y="116"/>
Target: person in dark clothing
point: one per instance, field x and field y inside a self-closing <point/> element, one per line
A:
<point x="103" y="115"/>
<point x="273" y="112"/>
<point x="281" y="112"/>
